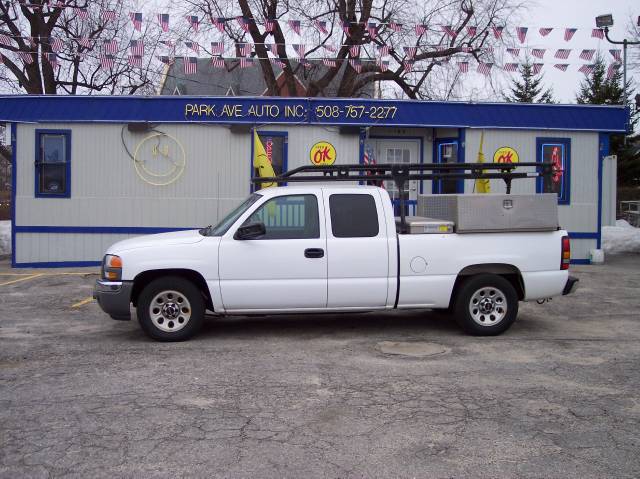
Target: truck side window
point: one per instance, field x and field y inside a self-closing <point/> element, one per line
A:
<point x="353" y="216"/>
<point x="289" y="217"/>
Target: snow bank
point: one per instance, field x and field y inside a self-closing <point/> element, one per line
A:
<point x="5" y="237"/>
<point x="621" y="238"/>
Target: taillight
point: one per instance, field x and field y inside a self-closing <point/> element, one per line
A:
<point x="566" y="253"/>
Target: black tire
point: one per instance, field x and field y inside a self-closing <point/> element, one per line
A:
<point x="173" y="294"/>
<point x="476" y="295"/>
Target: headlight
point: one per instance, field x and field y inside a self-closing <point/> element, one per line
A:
<point x="112" y="268"/>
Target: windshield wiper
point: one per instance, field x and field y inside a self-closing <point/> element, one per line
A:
<point x="205" y="231"/>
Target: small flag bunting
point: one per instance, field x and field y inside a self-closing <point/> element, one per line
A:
<point x="587" y="54"/>
<point x="522" y="33"/>
<point x="217" y="62"/>
<point x="108" y="15"/>
<point x="561" y="66"/>
<point x="472" y="31"/>
<point x="218" y="22"/>
<point x="327" y="62"/>
<point x="136" y="19"/>
<point x="107" y="60"/>
<point x="383" y="50"/>
<point x="383" y="65"/>
<point x="136" y="47"/>
<point x="135" y="61"/>
<point x="321" y="26"/>
<point x="356" y="64"/>
<point x="611" y="71"/>
<point x="449" y="31"/>
<point x="538" y="52"/>
<point x="586" y="69"/>
<point x="194" y="46"/>
<point x="497" y="32"/>
<point x="421" y="29"/>
<point x="545" y="31"/>
<point x="190" y="65"/>
<point x="485" y="68"/>
<point x="295" y="25"/>
<point x="616" y="54"/>
<point x="407" y="66"/>
<point x="372" y="28"/>
<point x="410" y="52"/>
<point x="514" y="52"/>
<point x="597" y="33"/>
<point x="537" y="67"/>
<point x="395" y="26"/>
<point x="562" y="54"/>
<point x="510" y="67"/>
<point x="354" y="50"/>
<point x="463" y="67"/>
<point x="299" y="49"/>
<point x="569" y="33"/>
<point x="163" y="20"/>
<point x="217" y="48"/>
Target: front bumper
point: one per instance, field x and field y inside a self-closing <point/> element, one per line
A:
<point x="570" y="286"/>
<point x="114" y="297"/>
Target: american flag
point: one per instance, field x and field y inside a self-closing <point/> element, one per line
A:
<point x="421" y="29"/>
<point x="537" y="67"/>
<point x="321" y="25"/>
<point x="472" y="31"/>
<point x="136" y="47"/>
<point x="354" y="50"/>
<point x="218" y="22"/>
<point x="56" y="44"/>
<point x="587" y="54"/>
<point x="163" y="20"/>
<point x="217" y="48"/>
<point x="328" y="62"/>
<point x="194" y="22"/>
<point x="597" y="33"/>
<point x="514" y="52"/>
<point x="545" y="31"/>
<point x="217" y="62"/>
<point x="168" y="43"/>
<point x="135" y="61"/>
<point x="82" y="12"/>
<point x="328" y="47"/>
<point x="611" y="71"/>
<point x="136" y="18"/>
<point x="52" y="58"/>
<point x="278" y="62"/>
<point x="586" y="69"/>
<point x="167" y="60"/>
<point x="269" y="25"/>
<point x="244" y="49"/>
<point x="295" y="25"/>
<point x="1" y="59"/>
<point x="561" y="66"/>
<point x="569" y="33"/>
<point x="299" y="49"/>
<point x="383" y="65"/>
<point x="410" y="52"/>
<point x="396" y="27"/>
<point x="108" y="15"/>
<point x="463" y="67"/>
<point x="407" y="66"/>
<point x="274" y="48"/>
<point x="485" y="68"/>
<point x="85" y="42"/>
<point x="31" y="41"/>
<point x="109" y="46"/>
<point x="511" y="67"/>
<point x="345" y="26"/>
<point x="244" y="23"/>
<point x="26" y="57"/>
<point x="538" y="52"/>
<point x="497" y="32"/>
<point x="522" y="33"/>
<point x="372" y="28"/>
<point x="5" y="40"/>
<point x="562" y="54"/>
<point x="190" y="65"/>
<point x="194" y="46"/>
<point x="107" y="60"/>
<point x="449" y="31"/>
<point x="356" y="65"/>
<point x="383" y="50"/>
<point x="616" y="54"/>
<point x="246" y="62"/>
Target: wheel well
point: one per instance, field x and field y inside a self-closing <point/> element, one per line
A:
<point x="146" y="277"/>
<point x="507" y="271"/>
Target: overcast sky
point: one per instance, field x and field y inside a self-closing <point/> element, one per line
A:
<point x="578" y="14"/>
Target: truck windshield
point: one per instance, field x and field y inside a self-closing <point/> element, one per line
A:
<point x="222" y="227"/>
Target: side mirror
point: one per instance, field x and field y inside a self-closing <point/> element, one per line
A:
<point x="250" y="231"/>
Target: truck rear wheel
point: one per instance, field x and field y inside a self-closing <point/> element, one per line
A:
<point x="170" y="309"/>
<point x="486" y="305"/>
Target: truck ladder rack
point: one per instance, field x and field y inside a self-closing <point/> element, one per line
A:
<point x="400" y="174"/>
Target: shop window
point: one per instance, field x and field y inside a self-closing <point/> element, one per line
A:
<point x="289" y="217"/>
<point x="446" y="152"/>
<point x="275" y="146"/>
<point x="53" y="164"/>
<point x="353" y="216"/>
<point x="556" y="151"/>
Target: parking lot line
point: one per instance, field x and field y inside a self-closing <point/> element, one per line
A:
<point x="6" y="283"/>
<point x="83" y="302"/>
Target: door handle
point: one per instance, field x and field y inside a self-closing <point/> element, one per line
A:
<point x="313" y="253"/>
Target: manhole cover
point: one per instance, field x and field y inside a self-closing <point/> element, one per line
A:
<point x="416" y="349"/>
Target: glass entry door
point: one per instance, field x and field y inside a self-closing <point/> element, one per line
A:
<point x="400" y="152"/>
<point x="447" y="153"/>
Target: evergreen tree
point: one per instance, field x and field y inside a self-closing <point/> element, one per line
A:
<point x="599" y="88"/>
<point x="530" y="89"/>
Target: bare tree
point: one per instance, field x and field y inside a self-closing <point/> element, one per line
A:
<point x="74" y="32"/>
<point x="355" y="35"/>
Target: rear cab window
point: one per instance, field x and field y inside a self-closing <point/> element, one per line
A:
<point x="353" y="215"/>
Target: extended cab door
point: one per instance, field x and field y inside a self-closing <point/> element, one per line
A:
<point x="282" y="270"/>
<point x="358" y="250"/>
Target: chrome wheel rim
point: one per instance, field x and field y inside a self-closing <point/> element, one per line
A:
<point x="488" y="306"/>
<point x="170" y="311"/>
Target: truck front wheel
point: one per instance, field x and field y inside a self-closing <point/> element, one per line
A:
<point x="170" y="309"/>
<point x="486" y="305"/>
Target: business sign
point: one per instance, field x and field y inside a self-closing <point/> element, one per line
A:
<point x="506" y="154"/>
<point x="322" y="154"/>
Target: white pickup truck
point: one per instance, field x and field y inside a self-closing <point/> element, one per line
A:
<point x="303" y="249"/>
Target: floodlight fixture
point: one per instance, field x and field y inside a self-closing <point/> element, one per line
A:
<point x="604" y="21"/>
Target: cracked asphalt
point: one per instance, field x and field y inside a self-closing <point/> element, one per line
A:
<point x="336" y="396"/>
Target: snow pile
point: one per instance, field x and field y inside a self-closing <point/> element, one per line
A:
<point x="621" y="238"/>
<point x="5" y="237"/>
